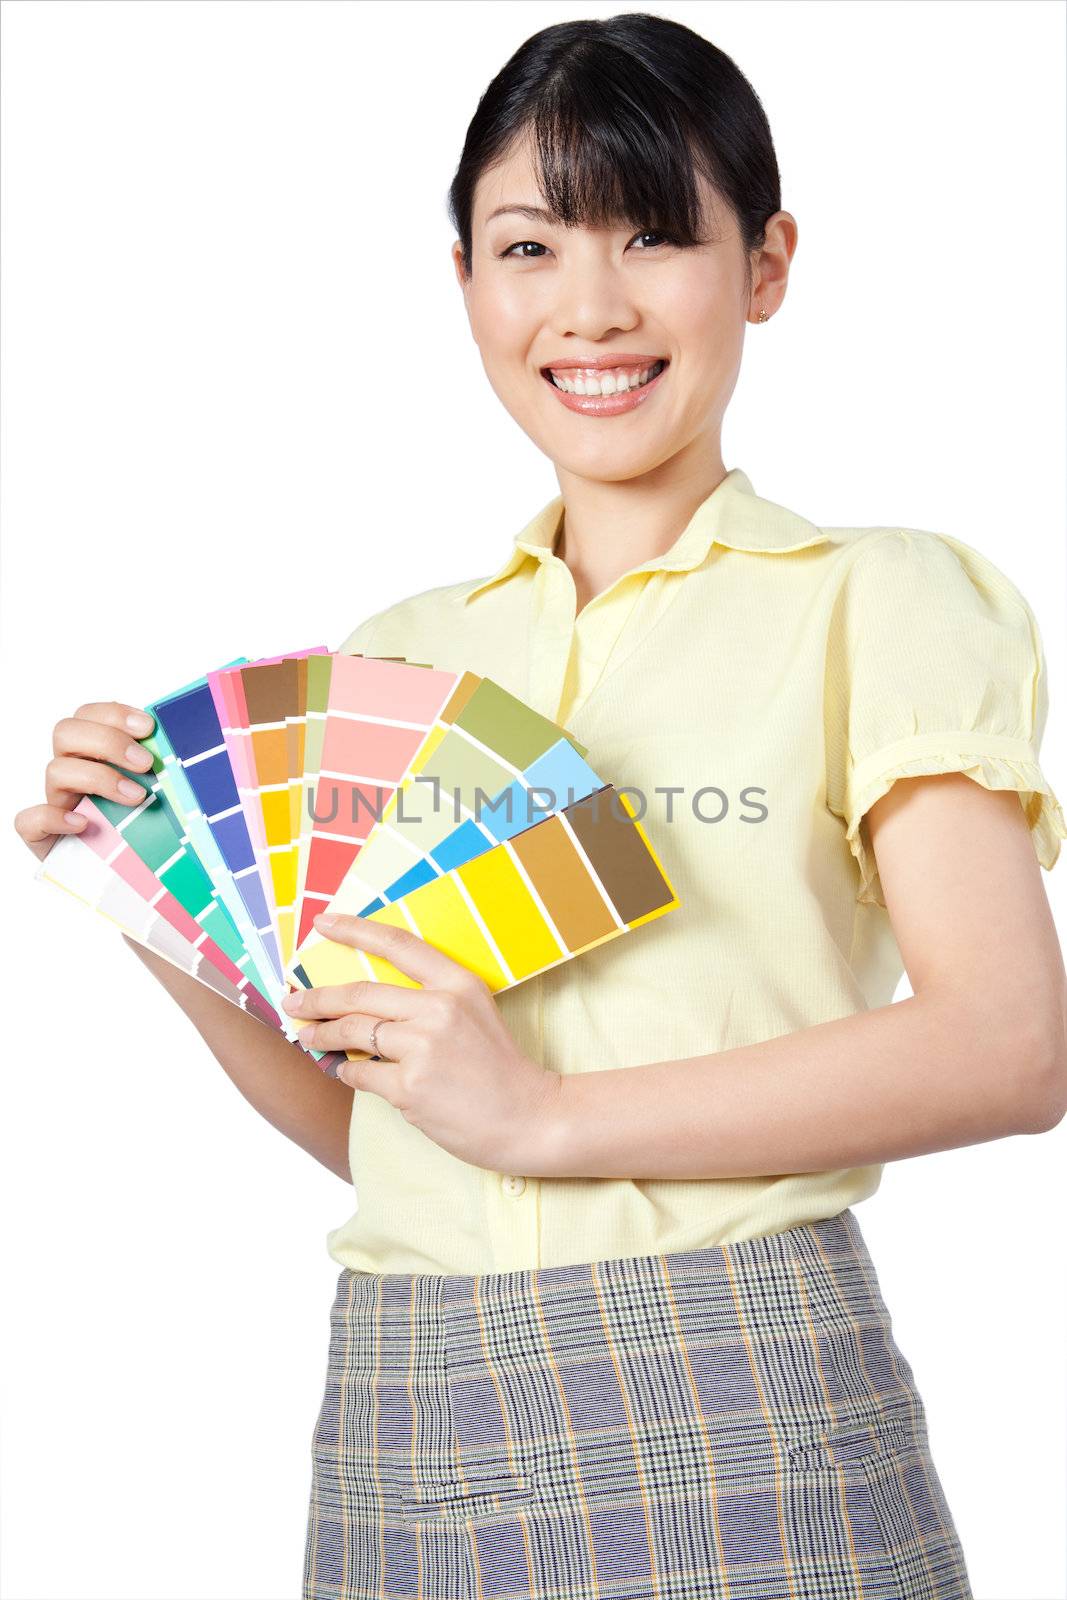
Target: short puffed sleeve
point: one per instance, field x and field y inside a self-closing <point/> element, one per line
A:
<point x="934" y="664"/>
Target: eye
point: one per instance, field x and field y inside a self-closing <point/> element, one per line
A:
<point x="518" y="245"/>
<point x="521" y="244"/>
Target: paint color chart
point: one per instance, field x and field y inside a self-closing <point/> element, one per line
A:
<point x="373" y="786"/>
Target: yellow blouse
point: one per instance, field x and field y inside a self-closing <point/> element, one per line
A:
<point x="776" y="678"/>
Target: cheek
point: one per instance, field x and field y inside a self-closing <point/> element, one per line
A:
<point x="706" y="315"/>
<point x="708" y="325"/>
<point x="503" y="320"/>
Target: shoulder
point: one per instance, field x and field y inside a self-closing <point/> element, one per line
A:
<point x="924" y="567"/>
<point x="408" y="619"/>
<point x="922" y="609"/>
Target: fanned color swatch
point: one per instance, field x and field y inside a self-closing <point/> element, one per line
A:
<point x="435" y="801"/>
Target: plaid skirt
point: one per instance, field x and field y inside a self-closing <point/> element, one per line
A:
<point x="734" y="1421"/>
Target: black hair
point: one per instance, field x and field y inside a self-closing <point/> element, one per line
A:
<point x="623" y="112"/>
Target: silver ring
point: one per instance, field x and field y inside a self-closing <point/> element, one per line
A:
<point x="374" y="1041"/>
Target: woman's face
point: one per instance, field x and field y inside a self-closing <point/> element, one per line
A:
<point x="542" y="296"/>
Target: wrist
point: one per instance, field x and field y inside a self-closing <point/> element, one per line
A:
<point x="546" y="1142"/>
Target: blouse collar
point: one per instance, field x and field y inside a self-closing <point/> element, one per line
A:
<point x="732" y="515"/>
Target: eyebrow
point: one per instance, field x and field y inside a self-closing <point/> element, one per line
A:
<point x="531" y="213"/>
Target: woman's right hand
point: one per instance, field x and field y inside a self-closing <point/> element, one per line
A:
<point x="100" y="732"/>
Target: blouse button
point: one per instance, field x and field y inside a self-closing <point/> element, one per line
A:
<point x="514" y="1186"/>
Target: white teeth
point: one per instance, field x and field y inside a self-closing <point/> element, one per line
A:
<point x="618" y="381"/>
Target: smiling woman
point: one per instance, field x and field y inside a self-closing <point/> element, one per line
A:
<point x="605" y="1321"/>
<point x="619" y="221"/>
<point x="658" y="1360"/>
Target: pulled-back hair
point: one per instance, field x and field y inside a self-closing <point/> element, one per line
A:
<point x="622" y="114"/>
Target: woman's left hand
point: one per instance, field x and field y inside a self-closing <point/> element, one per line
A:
<point x="453" y="1069"/>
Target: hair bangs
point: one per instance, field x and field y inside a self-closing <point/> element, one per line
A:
<point x="610" y="152"/>
<point x="623" y="117"/>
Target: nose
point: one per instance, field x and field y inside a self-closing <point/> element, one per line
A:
<point x="593" y="302"/>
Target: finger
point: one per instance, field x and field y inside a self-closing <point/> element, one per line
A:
<point x="374" y="1076"/>
<point x="404" y="949"/>
<point x="353" y="1033"/>
<point x="336" y="1000"/>
<point x="84" y="736"/>
<point x="67" y="778"/>
<point x="37" y="826"/>
<point x="116" y="714"/>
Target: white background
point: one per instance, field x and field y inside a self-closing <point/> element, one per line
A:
<point x="231" y="332"/>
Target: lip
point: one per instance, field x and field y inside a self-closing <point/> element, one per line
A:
<point x="609" y="405"/>
<point x="616" y="358"/>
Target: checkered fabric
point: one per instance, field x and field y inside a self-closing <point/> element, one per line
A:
<point x="734" y="1422"/>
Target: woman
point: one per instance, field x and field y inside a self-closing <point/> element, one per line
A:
<point x="605" y="1322"/>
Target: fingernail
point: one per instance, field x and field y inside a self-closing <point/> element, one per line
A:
<point x="307" y="1035"/>
<point x="325" y="919"/>
<point x="77" y="818"/>
<point x="291" y="1002"/>
<point x="134" y="790"/>
<point x="136" y="755"/>
<point x="139" y="722"/>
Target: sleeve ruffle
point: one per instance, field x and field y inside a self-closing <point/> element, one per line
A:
<point x="999" y="763"/>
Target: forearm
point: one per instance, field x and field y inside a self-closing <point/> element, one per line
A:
<point x="274" y="1075"/>
<point x="903" y="1080"/>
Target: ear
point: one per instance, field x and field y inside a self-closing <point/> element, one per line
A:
<point x="457" y="262"/>
<point x="463" y="281"/>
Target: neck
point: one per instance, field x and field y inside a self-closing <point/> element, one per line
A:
<point x="609" y="528"/>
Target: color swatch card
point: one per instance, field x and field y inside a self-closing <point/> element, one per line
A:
<point x="378" y="715"/>
<point x="262" y="712"/>
<point x="169" y="785"/>
<point x="99" y="866"/>
<point x="188" y="739"/>
<point x="320" y="673"/>
<point x="472" y="781"/>
<point x="315" y="896"/>
<point x="172" y="837"/>
<point x="580" y="877"/>
<point x="375" y="786"/>
<point x="551" y="781"/>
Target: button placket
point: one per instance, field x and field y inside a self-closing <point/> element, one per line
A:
<point x="551" y="651"/>
<point x="512" y="1219"/>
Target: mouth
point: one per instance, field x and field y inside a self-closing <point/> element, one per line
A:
<point x="605" y="391"/>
